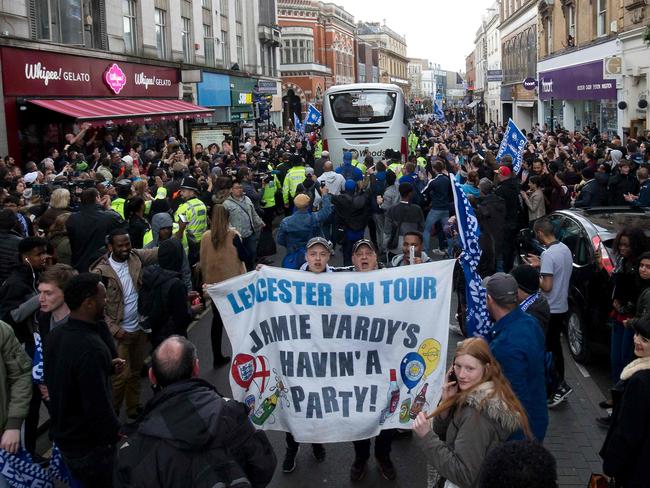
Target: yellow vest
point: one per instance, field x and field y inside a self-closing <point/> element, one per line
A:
<point x="196" y="214"/>
<point x="118" y="205"/>
<point x="359" y="165"/>
<point x="295" y="176"/>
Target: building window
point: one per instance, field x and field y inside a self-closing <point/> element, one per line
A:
<point x="186" y="39"/>
<point x="239" y="40"/>
<point x="160" y="22"/>
<point x="206" y="4"/>
<point x="223" y="7"/>
<point x="549" y="35"/>
<point x="297" y="51"/>
<point x="208" y="44"/>
<point x="571" y="21"/>
<point x="59" y="21"/>
<point x="601" y="17"/>
<point x="225" y="49"/>
<point x="130" y="26"/>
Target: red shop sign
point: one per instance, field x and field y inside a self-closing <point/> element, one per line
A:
<point x="38" y="73"/>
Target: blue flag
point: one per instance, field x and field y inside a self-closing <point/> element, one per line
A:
<point x="59" y="470"/>
<point x="513" y="143"/>
<point x="297" y="125"/>
<point x="19" y="471"/>
<point x="313" y="115"/>
<point x="477" y="321"/>
<point x="438" y="114"/>
<point x="37" y="362"/>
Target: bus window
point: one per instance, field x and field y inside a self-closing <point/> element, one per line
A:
<point x="363" y="107"/>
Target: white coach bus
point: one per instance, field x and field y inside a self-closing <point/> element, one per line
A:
<point x="368" y="117"/>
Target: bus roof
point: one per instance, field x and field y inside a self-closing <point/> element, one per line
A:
<point x="362" y="86"/>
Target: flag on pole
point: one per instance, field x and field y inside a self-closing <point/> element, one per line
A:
<point x="513" y="143"/>
<point x="297" y="125"/>
<point x="313" y="115"/>
<point x="438" y="114"/>
<point x="477" y="321"/>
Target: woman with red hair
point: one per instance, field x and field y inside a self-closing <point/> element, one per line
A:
<point x="478" y="411"/>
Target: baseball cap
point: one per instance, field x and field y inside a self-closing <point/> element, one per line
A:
<point x="503" y="171"/>
<point x="502" y="287"/>
<point x="127" y="159"/>
<point x="363" y="242"/>
<point x="322" y="241"/>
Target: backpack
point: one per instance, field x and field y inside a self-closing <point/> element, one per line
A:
<point x="210" y="468"/>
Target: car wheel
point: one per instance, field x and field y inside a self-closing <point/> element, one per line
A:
<point x="577" y="336"/>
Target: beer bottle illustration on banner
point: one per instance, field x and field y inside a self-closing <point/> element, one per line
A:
<point x="419" y="402"/>
<point x="392" y="398"/>
<point x="393" y="393"/>
<point x="265" y="410"/>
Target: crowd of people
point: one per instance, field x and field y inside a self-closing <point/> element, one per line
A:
<point x="106" y="250"/>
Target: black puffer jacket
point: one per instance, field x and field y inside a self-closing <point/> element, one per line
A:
<point x="8" y="252"/>
<point x="188" y="435"/>
<point x="87" y="230"/>
<point x="352" y="211"/>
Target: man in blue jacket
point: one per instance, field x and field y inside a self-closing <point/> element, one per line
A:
<point x="349" y="171"/>
<point x="518" y="344"/>
<point x="297" y="229"/>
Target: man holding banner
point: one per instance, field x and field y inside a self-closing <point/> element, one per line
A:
<point x="364" y="258"/>
<point x="317" y="255"/>
<point x="338" y="357"/>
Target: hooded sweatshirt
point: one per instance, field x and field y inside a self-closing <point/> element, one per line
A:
<point x="159" y="221"/>
<point x="348" y="171"/>
<point x="616" y="156"/>
<point x="333" y="181"/>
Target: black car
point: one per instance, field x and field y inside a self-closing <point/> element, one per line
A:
<point x="583" y="231"/>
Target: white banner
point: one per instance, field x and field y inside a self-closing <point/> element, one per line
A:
<point x="335" y="357"/>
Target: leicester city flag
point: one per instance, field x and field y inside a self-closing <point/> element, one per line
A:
<point x="513" y="143"/>
<point x="297" y="125"/>
<point x="478" y="319"/>
<point x="438" y="114"/>
<point x="313" y="116"/>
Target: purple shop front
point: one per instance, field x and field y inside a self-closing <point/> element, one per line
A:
<point x="579" y="82"/>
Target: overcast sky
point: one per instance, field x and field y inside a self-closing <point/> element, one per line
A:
<point x="441" y="31"/>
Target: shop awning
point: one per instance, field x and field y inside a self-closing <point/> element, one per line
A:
<point x="106" y="111"/>
<point x="473" y="104"/>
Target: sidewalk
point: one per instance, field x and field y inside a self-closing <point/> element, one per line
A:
<point x="573" y="435"/>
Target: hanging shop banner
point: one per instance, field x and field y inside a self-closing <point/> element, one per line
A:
<point x="336" y="357"/>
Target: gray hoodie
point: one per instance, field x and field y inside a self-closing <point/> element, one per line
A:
<point x="334" y="182"/>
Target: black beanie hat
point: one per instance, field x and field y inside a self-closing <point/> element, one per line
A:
<point x="527" y="278"/>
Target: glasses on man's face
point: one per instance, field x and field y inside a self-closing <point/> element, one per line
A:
<point x="644" y="266"/>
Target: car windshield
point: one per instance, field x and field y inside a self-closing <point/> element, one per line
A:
<point x="363" y="107"/>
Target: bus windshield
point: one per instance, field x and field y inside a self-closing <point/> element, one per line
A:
<point x="363" y="107"/>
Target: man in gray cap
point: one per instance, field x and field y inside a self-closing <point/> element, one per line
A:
<point x="518" y="344"/>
